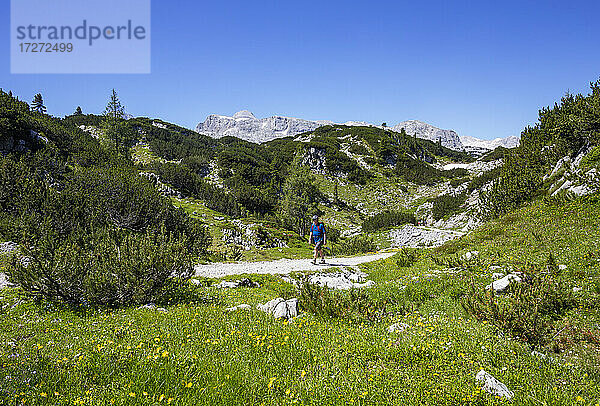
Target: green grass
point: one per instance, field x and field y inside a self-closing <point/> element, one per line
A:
<point x="196" y="353"/>
<point x="141" y="154"/>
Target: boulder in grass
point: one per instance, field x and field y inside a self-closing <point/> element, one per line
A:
<point x="501" y="284"/>
<point x="493" y="386"/>
<point x="8" y="247"/>
<point x="471" y="255"/>
<point x="152" y="306"/>
<point x="280" y="308"/>
<point x="397" y="327"/>
<point x="497" y="275"/>
<point x="238" y="307"/>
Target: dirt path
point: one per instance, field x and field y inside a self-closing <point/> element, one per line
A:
<point x="282" y="266"/>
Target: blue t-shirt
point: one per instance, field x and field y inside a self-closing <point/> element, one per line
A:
<point x="317" y="231"/>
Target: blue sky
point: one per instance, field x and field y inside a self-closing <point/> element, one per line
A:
<point x="482" y="68"/>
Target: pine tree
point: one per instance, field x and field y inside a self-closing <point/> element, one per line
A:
<point x="38" y="104"/>
<point x="78" y="111"/>
<point x="114" y="126"/>
<point x="300" y="198"/>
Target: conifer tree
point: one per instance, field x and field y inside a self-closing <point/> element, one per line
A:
<point x="114" y="126"/>
<point x="38" y="104"/>
<point x="300" y="198"/>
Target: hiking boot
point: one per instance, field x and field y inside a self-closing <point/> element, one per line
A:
<point x="314" y="262"/>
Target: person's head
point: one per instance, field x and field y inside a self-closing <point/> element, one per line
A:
<point x="315" y="219"/>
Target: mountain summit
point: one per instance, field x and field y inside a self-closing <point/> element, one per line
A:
<point x="448" y="138"/>
<point x="246" y="126"/>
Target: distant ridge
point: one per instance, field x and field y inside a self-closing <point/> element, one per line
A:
<point x="246" y="126"/>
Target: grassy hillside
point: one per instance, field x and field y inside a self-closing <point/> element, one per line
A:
<point x="195" y="353"/>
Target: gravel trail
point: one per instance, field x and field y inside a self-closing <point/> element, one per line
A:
<point x="282" y="266"/>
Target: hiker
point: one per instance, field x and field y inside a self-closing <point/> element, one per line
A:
<point x="318" y="238"/>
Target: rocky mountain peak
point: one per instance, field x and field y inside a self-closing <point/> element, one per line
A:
<point x="448" y="138"/>
<point x="244" y="115"/>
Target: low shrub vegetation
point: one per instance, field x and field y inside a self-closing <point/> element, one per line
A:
<point x="386" y="220"/>
<point x="447" y="205"/>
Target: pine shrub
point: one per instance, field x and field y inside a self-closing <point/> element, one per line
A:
<point x="107" y="267"/>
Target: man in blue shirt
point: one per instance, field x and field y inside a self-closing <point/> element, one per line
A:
<point x="318" y="238"/>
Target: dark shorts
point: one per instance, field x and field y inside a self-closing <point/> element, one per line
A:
<point x="319" y="245"/>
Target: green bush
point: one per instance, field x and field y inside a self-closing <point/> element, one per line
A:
<point x="108" y="267"/>
<point x="407" y="257"/>
<point x="529" y="309"/>
<point x="447" y="205"/>
<point x="355" y="304"/>
<point x="358" y="244"/>
<point x="387" y="219"/>
<point x="497" y="153"/>
<point x="592" y="159"/>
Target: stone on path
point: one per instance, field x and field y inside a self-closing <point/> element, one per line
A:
<point x="280" y="308"/>
<point x="493" y="386"/>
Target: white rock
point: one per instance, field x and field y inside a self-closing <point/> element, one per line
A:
<point x="4" y="281"/>
<point x="152" y="306"/>
<point x="493" y="386"/>
<point x="280" y="308"/>
<point x="470" y="255"/>
<point x="397" y="327"/>
<point x="562" y="267"/>
<point x="576" y="289"/>
<point x="341" y="280"/>
<point x="497" y="275"/>
<point x="412" y="236"/>
<point x="501" y="284"/>
<point x="8" y="247"/>
<point x="447" y="138"/>
<point x="238" y="307"/>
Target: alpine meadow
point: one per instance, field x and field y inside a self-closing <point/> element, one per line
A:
<point x="154" y="252"/>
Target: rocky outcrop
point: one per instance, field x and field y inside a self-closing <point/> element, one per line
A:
<point x="448" y="138"/>
<point x="246" y="126"/>
<point x="314" y="158"/>
<point x="411" y="236"/>
<point x="493" y="386"/>
<point x="280" y="308"/>
<point x="569" y="176"/>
